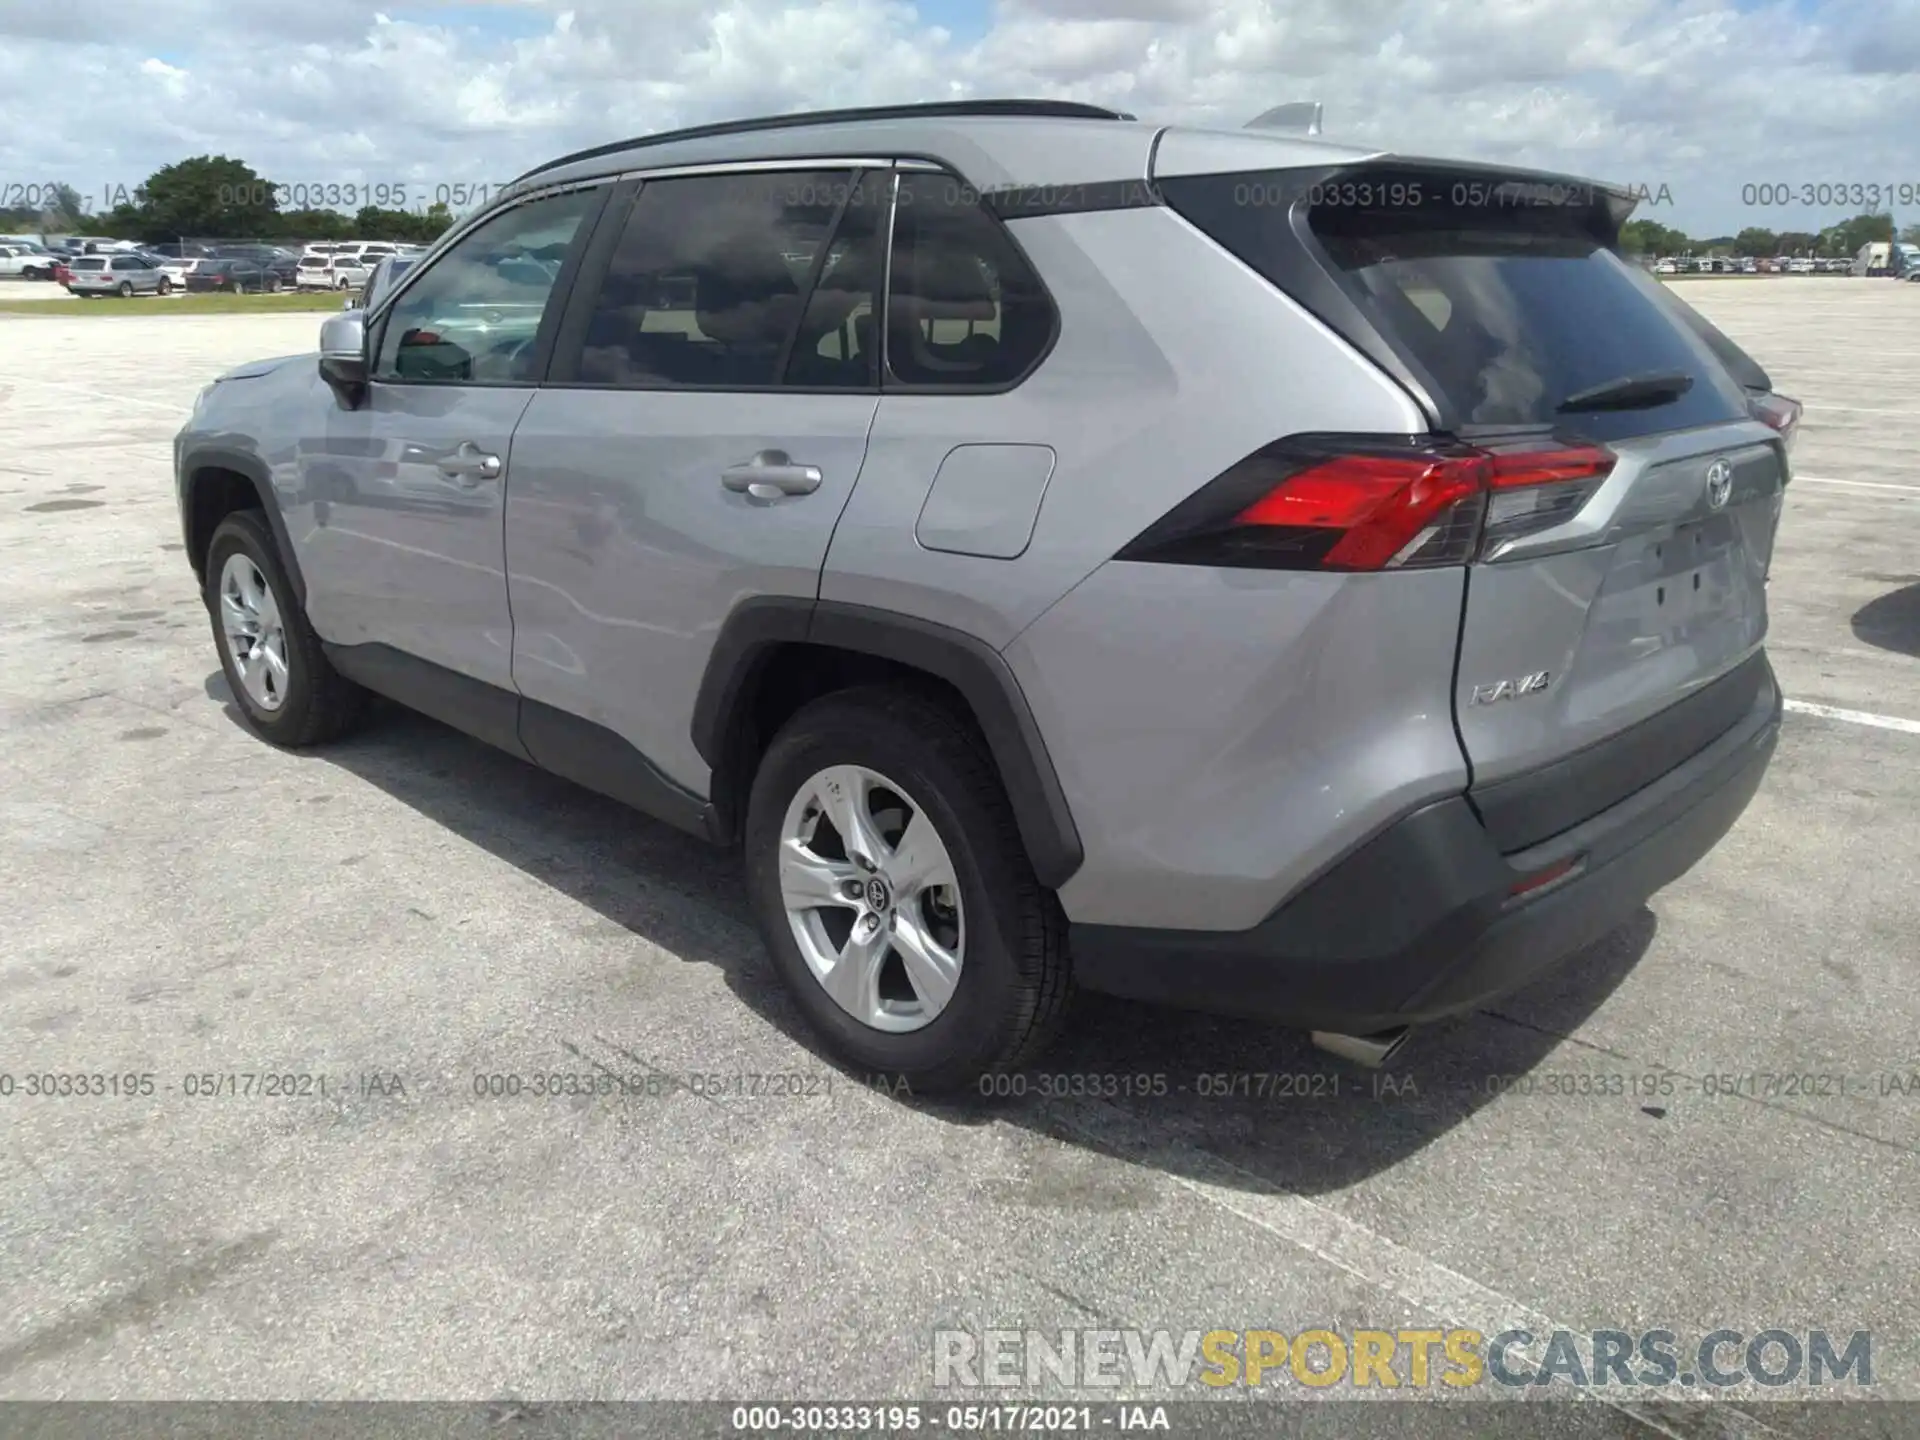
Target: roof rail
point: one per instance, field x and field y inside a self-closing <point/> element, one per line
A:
<point x="933" y="110"/>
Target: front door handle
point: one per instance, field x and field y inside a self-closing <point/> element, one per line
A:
<point x="769" y="475"/>
<point x="470" y="464"/>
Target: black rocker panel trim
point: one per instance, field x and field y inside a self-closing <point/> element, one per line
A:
<point x="565" y="745"/>
<point x="598" y="758"/>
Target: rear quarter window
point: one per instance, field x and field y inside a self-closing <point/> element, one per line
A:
<point x="1502" y="299"/>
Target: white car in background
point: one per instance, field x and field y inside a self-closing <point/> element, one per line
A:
<point x="25" y="262"/>
<point x="330" y="272"/>
<point x="177" y="267"/>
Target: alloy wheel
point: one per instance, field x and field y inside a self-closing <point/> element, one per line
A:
<point x="256" y="638"/>
<point x="872" y="898"/>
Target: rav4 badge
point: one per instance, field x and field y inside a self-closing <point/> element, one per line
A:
<point x="1512" y="689"/>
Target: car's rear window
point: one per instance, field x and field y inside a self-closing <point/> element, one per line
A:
<point x="1503" y="299"/>
<point x="88" y="262"/>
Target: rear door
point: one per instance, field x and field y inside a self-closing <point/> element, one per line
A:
<point x="702" y="427"/>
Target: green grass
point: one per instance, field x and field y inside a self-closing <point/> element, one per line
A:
<point x="310" y="302"/>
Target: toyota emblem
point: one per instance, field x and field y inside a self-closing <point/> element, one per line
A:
<point x="1719" y="484"/>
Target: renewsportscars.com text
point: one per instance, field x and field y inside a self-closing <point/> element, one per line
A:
<point x="1394" y="1359"/>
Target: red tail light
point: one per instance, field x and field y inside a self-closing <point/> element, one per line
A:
<point x="1779" y="412"/>
<point x="1372" y="503"/>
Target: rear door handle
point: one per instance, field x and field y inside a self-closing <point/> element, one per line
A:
<point x="769" y="475"/>
<point x="470" y="464"/>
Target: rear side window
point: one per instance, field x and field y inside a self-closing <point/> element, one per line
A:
<point x="965" y="309"/>
<point x="1503" y="299"/>
<point x="705" y="287"/>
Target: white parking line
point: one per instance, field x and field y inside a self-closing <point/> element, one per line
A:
<point x="1855" y="717"/>
<point x="181" y="408"/>
<point x="1413" y="1278"/>
<point x="1863" y="484"/>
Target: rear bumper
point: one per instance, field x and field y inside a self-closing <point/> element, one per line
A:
<point x="1417" y="924"/>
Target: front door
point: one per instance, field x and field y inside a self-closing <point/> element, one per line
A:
<point x="410" y="486"/>
<point x="701" y="430"/>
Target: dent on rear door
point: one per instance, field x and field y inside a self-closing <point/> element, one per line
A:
<point x="626" y="552"/>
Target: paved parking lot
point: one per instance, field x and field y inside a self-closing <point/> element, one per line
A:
<point x="183" y="900"/>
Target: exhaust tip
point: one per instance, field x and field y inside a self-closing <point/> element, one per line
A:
<point x="1372" y="1051"/>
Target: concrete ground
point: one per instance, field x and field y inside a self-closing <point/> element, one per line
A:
<point x="183" y="900"/>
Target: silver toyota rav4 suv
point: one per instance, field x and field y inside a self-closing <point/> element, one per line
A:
<point x="1220" y="568"/>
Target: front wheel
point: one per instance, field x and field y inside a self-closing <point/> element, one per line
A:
<point x="894" y="895"/>
<point x="165" y="287"/>
<point x="286" y="689"/>
<point x="272" y="287"/>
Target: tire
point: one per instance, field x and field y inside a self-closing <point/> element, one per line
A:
<point x="165" y="286"/>
<point x="1014" y="977"/>
<point x="317" y="703"/>
<point x="273" y="285"/>
<point x="126" y="290"/>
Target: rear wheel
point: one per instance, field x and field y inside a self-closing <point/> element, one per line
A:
<point x="165" y="287"/>
<point x="893" y="893"/>
<point x="126" y="290"/>
<point x="285" y="688"/>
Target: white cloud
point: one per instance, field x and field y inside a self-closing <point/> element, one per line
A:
<point x="1704" y="96"/>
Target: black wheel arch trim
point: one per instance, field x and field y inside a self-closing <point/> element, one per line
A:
<point x="251" y="468"/>
<point x="757" y="628"/>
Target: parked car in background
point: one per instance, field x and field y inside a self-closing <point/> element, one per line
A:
<point x="331" y="272"/>
<point x="179" y="268"/>
<point x="123" y="274"/>
<point x="25" y="262"/>
<point x="380" y="282"/>
<point x="314" y="271"/>
<point x="229" y="275"/>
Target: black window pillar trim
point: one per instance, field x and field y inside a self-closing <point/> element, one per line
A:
<point x="757" y="628"/>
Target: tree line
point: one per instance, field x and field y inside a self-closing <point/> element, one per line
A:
<point x="1842" y="240"/>
<point x="217" y="197"/>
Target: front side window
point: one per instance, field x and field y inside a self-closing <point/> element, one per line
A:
<point x="965" y="309"/>
<point x="474" y="317"/>
<point x="707" y="287"/>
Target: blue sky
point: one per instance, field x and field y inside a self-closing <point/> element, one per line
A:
<point x="1704" y="97"/>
